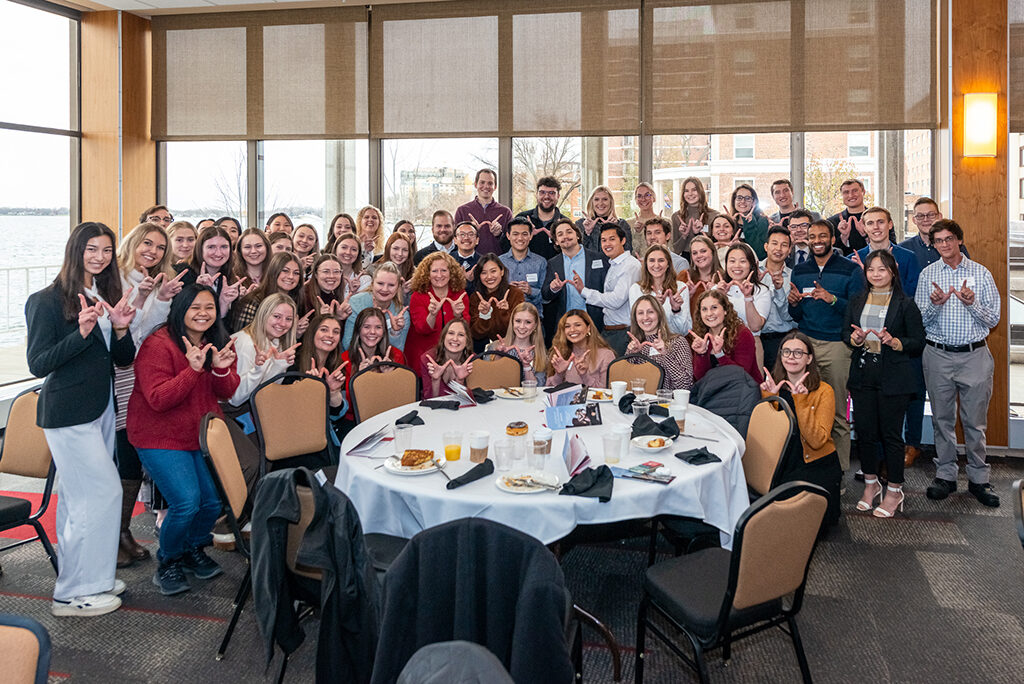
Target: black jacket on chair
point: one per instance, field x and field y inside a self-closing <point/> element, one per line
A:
<point x="902" y="321"/>
<point x="79" y="371"/>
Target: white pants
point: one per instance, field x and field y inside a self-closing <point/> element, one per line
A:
<point x="88" y="506"/>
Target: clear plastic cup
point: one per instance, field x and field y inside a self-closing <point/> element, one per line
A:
<point x="540" y="448"/>
<point x="664" y="397"/>
<point x="613" y="444"/>
<point x="529" y="391"/>
<point x="403" y="439"/>
<point x="503" y="449"/>
<point x="681" y="396"/>
<point x="638" y="386"/>
<point x="452" y="445"/>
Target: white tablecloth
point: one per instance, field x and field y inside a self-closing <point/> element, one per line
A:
<point x="404" y="505"/>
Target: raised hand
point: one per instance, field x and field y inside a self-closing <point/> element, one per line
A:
<point x="634" y="345"/>
<point x="940" y="296"/>
<point x="88" y="316"/>
<point x="397" y="321"/>
<point x="558" y="363"/>
<point x="462" y="370"/>
<point x="122" y="313"/>
<point x="484" y="308"/>
<point x="302" y="324"/>
<point x="778" y="279"/>
<point x="434" y="305"/>
<point x="326" y="309"/>
<point x="675" y="300"/>
<point x="858" y="225"/>
<point x="769" y="384"/>
<point x="556" y="283"/>
<point x="692" y="226"/>
<point x="844" y="230"/>
<point x="223" y="358"/>
<point x="147" y="285"/>
<point x="434" y="369"/>
<point x="746" y="287"/>
<point x="229" y="293"/>
<point x="855" y="258"/>
<point x="344" y="308"/>
<point x="700" y="345"/>
<point x="286" y="355"/>
<point x="527" y="354"/>
<point x="798" y="386"/>
<point x="521" y="285"/>
<point x="858" y="335"/>
<point x="577" y="282"/>
<point x="581" y="362"/>
<point x="541" y="230"/>
<point x="195" y="355"/>
<point x="887" y="339"/>
<point x="262" y="356"/>
<point x="821" y="293"/>
<point x="588" y="225"/>
<point x="458" y="304"/>
<point x="170" y="288"/>
<point x="964" y="294"/>
<point x="717" y="342"/>
<point x="657" y="344"/>
<point x="795" y="296"/>
<point x="502" y="303"/>
<point x="208" y="280"/>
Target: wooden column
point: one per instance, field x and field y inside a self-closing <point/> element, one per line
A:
<point x="978" y="55"/>
<point x="118" y="153"/>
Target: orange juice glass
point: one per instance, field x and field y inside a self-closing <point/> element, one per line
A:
<point x="452" y="446"/>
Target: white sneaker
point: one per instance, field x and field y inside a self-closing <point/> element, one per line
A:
<point x="119" y="587"/>
<point x="224" y="542"/>
<point x="86" y="606"/>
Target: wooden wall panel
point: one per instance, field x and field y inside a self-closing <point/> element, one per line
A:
<point x="138" y="149"/>
<point x="978" y="54"/>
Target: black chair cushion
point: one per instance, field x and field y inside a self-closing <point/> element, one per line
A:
<point x="14" y="509"/>
<point x="691" y="589"/>
<point x="383" y="549"/>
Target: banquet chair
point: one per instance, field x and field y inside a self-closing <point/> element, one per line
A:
<point x="501" y="370"/>
<point x="25" y="453"/>
<point x="772" y="426"/>
<point x="632" y="366"/>
<point x="715" y="596"/>
<point x="218" y="449"/>
<point x="373" y="392"/>
<point x="292" y="420"/>
<point x="24" y="650"/>
<point x="1018" y="508"/>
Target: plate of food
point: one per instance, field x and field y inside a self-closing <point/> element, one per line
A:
<point x="599" y="395"/>
<point x="412" y="462"/>
<point x="509" y="393"/>
<point x="651" y="442"/>
<point x="532" y="482"/>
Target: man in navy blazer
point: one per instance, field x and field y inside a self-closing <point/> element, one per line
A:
<point x="572" y="258"/>
<point x="877" y="225"/>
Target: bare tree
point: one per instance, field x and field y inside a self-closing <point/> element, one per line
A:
<point x="535" y="158"/>
<point x="231" y="187"/>
<point x="822" y="178"/>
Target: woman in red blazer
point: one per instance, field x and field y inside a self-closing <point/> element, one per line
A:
<point x="438" y="296"/>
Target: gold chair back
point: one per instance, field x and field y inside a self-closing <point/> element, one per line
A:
<point x="25" y="451"/>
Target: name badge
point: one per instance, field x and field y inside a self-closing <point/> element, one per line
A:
<point x="531" y="277"/>
<point x="970" y="281"/>
<point x="597" y="264"/>
<point x="807" y="290"/>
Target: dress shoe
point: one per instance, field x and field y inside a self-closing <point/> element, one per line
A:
<point x="910" y="454"/>
<point x="984" y="493"/>
<point x="939" y="489"/>
<point x="859" y="475"/>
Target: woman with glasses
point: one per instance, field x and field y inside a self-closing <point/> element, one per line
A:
<point x="883" y="327"/>
<point x="749" y="218"/>
<point x="646" y="200"/>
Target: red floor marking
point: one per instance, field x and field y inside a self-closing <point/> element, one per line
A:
<point x="133" y="609"/>
<point x="49" y="519"/>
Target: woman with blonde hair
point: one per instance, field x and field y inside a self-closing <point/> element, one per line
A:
<point x="438" y="296"/>
<point x="306" y="245"/>
<point x="182" y="236"/>
<point x="524" y="340"/>
<point x="646" y="201"/>
<point x="265" y="347"/>
<point x="384" y="293"/>
<point x="252" y="256"/>
<point x="650" y="335"/>
<point x="694" y="216"/>
<point x="578" y="352"/>
<point x="601" y="209"/>
<point x="370" y="228"/>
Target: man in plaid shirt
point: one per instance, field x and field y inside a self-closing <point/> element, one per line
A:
<point x="959" y="305"/>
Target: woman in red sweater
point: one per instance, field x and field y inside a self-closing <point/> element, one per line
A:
<point x="438" y="296"/>
<point x="720" y="338"/>
<point x="181" y="371"/>
<point x="370" y="344"/>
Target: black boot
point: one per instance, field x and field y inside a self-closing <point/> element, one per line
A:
<point x="129" y="550"/>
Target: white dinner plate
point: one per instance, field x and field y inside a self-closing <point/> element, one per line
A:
<point x="393" y="464"/>
<point x="601" y="396"/>
<point x="502" y="393"/>
<point x="643" y="443"/>
<point x="503" y="482"/>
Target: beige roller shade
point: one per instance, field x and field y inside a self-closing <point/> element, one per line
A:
<point x="1016" y="77"/>
<point x="260" y="75"/>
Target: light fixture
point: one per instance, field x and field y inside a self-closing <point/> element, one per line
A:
<point x="980" y="124"/>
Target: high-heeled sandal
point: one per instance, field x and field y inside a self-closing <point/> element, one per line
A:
<point x="882" y="513"/>
<point x="868" y="505"/>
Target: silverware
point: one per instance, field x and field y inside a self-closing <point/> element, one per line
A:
<point x="530" y="482"/>
<point x="440" y="469"/>
<point x="513" y="392"/>
<point x="707" y="439"/>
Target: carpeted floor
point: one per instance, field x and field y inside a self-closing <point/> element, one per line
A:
<point x="935" y="595"/>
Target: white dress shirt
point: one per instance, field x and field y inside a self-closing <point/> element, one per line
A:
<point x="623" y="271"/>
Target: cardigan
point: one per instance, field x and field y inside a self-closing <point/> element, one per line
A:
<point x="496" y="323"/>
<point x="170" y="398"/>
<point x="251" y="376"/>
<point x="815" y="413"/>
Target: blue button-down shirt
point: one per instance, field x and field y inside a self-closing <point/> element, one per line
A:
<point x="954" y="323"/>
<point x="532" y="269"/>
<point x="578" y="263"/>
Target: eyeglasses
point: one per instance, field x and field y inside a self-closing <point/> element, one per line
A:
<point x="464" y="234"/>
<point x="744" y="198"/>
<point x="793" y="353"/>
<point x="645" y="195"/>
<point x="799" y="225"/>
<point x="946" y="240"/>
<point x="547" y="193"/>
<point x="930" y="216"/>
<point x="160" y="219"/>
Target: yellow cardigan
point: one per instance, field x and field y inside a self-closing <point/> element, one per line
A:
<point x="815" y="413"/>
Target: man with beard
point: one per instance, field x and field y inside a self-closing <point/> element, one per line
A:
<point x="487" y="214"/>
<point x="559" y="293"/>
<point x="442" y="227"/>
<point x="543" y="218"/>
<point x="847" y="225"/>
<point x="819" y="291"/>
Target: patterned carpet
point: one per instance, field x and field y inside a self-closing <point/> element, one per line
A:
<point x="935" y="595"/>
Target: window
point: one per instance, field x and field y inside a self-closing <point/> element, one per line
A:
<point x="39" y="171"/>
<point x="737" y="182"/>
<point x="743" y="146"/>
<point x="858" y="144"/>
<point x="312" y="180"/>
<point x="208" y="180"/>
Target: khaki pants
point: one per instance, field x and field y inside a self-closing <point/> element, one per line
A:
<point x="834" y="363"/>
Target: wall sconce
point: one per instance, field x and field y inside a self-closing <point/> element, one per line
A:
<point x="980" y="124"/>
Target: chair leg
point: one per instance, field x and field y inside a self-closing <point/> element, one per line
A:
<point x="798" y="646"/>
<point x="726" y="648"/>
<point x="41" y="533"/>
<point x="698" y="658"/>
<point x="608" y="637"/>
<point x="577" y="651"/>
<point x="242" y="589"/>
<point x="652" y="551"/>
<point x="284" y="666"/>
<point x="243" y="594"/>
<point x="641" y="633"/>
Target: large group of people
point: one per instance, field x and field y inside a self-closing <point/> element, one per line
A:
<point x="136" y="346"/>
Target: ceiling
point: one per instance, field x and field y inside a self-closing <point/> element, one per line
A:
<point x="153" y="7"/>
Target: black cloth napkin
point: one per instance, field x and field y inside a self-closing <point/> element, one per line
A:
<point x="410" y="418"/>
<point x="482" y="396"/>
<point x="626" y="406"/>
<point x="645" y="425"/>
<point x="452" y="404"/>
<point x="698" y="456"/>
<point x="473" y="474"/>
<point x="559" y="387"/>
<point x="596" y="482"/>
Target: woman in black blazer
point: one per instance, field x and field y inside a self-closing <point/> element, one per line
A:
<point x="883" y="327"/>
<point x="75" y="337"/>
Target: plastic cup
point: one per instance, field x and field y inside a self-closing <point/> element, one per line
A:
<point x="613" y="446"/>
<point x="478" y="446"/>
<point x="664" y="397"/>
<point x="503" y="449"/>
<point x="403" y="439"/>
<point x="681" y="397"/>
<point x="452" y="445"/>
<point x="529" y="391"/>
<point x="541" y="448"/>
<point x="618" y="390"/>
<point x="678" y="413"/>
<point x="638" y="386"/>
<point x="641" y="407"/>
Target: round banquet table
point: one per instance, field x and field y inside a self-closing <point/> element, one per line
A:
<point x="403" y="505"/>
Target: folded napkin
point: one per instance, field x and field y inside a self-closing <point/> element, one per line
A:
<point x="698" y="456"/>
<point x="441" y="404"/>
<point x="596" y="482"/>
<point x="626" y="406"/>
<point x="482" y="396"/>
<point x="410" y="418"/>
<point x="559" y="387"/>
<point x="473" y="474"/>
<point x="645" y="425"/>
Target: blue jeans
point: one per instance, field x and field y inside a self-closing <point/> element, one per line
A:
<point x="193" y="503"/>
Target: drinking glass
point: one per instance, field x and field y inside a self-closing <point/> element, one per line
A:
<point x="529" y="391"/>
<point x="637" y="386"/>
<point x="403" y="439"/>
<point x="664" y="397"/>
<point x="613" y="443"/>
<point x="452" y="445"/>
<point x="503" y="449"/>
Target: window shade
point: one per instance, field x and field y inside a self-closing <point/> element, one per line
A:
<point x="1016" y="78"/>
<point x="260" y="75"/>
<point x="792" y="66"/>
